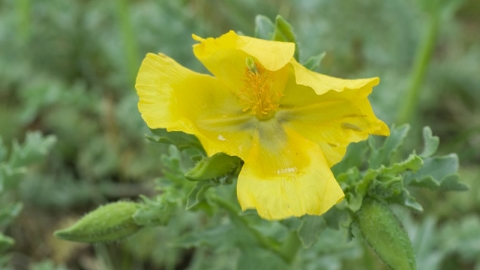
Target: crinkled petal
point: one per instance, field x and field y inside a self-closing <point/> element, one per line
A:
<point x="322" y="83"/>
<point x="333" y="119"/>
<point x="178" y="99"/>
<point x="286" y="175"/>
<point x="225" y="56"/>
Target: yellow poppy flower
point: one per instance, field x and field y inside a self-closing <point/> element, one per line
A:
<point x="288" y="124"/>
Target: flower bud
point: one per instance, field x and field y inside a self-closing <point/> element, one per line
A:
<point x="107" y="223"/>
<point x="384" y="233"/>
<point x="213" y="167"/>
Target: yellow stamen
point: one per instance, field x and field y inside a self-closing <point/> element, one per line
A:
<point x="257" y="95"/>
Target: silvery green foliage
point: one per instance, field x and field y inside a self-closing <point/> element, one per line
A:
<point x="14" y="163"/>
<point x="372" y="176"/>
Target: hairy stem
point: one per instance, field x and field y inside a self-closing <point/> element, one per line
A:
<point x="422" y="59"/>
<point x="129" y="41"/>
<point x="288" y="250"/>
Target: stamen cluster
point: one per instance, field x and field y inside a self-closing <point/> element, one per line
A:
<point x="257" y="94"/>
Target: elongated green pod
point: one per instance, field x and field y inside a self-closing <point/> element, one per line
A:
<point x="384" y="233"/>
<point x="213" y="167"/>
<point x="107" y="223"/>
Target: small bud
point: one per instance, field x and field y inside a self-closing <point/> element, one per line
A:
<point x="107" y="223"/>
<point x="251" y="65"/>
<point x="213" y="167"/>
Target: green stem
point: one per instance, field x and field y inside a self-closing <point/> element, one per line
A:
<point x="129" y="41"/>
<point x="23" y="8"/>
<point x="102" y="253"/>
<point x="291" y="246"/>
<point x="263" y="241"/>
<point x="422" y="60"/>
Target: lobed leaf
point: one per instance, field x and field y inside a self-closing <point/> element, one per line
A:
<point x="310" y="229"/>
<point x="354" y="157"/>
<point x="264" y="27"/>
<point x="408" y="201"/>
<point x="197" y="194"/>
<point x="219" y="237"/>
<point x="451" y="183"/>
<point x="314" y="61"/>
<point x="431" y="143"/>
<point x="180" y="139"/>
<point x="384" y="154"/>
<point x="284" y="32"/>
<point x="434" y="171"/>
<point x="34" y="149"/>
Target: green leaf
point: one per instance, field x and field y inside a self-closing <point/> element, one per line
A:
<point x="314" y="61"/>
<point x="153" y="213"/>
<point x="9" y="176"/>
<point x="292" y="224"/>
<point x="353" y="158"/>
<point x="426" y="182"/>
<point x="336" y="218"/>
<point x="219" y="237"/>
<point x="384" y="233"/>
<point x="5" y="242"/>
<point x="180" y="139"/>
<point x="197" y="194"/>
<point x="284" y="32"/>
<point x="435" y="168"/>
<point x="362" y="187"/>
<point x="3" y="150"/>
<point x="451" y="183"/>
<point x="389" y="187"/>
<point x="411" y="203"/>
<point x="431" y="143"/>
<point x="461" y="237"/>
<point x="259" y="258"/>
<point x="34" y="149"/>
<point x="216" y="166"/>
<point x="310" y="229"/>
<point x="264" y="27"/>
<point x="392" y="143"/>
<point x="46" y="265"/>
<point x="8" y="212"/>
<point x="408" y="201"/>
<point x="412" y="163"/>
<point x="107" y="223"/>
<point x="354" y="201"/>
<point x="348" y="178"/>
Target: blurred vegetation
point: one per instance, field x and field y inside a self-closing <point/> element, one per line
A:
<point x="67" y="69"/>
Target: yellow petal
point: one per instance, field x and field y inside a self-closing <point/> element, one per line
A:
<point x="225" y="56"/>
<point x="178" y="99"/>
<point x="333" y="119"/>
<point x="322" y="83"/>
<point x="286" y="175"/>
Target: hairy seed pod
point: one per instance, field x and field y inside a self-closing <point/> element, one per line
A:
<point x="107" y="223"/>
<point x="384" y="233"/>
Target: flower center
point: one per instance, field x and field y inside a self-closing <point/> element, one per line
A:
<point x="257" y="94"/>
